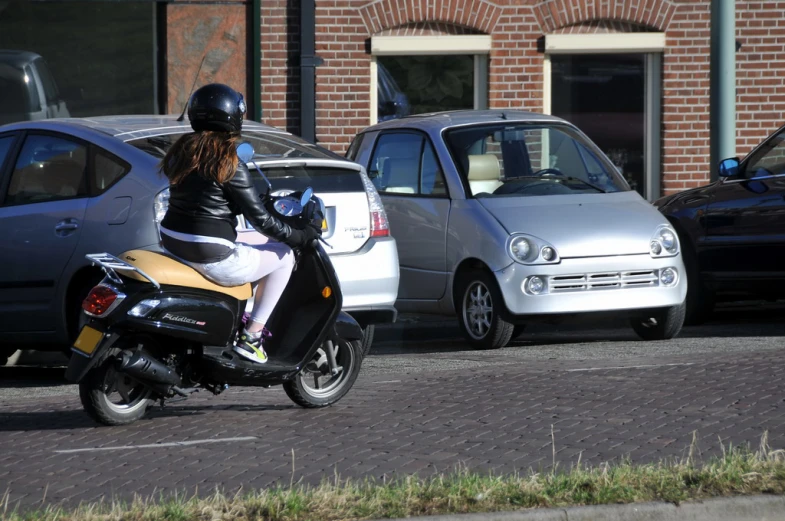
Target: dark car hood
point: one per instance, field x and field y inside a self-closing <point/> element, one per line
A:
<point x="689" y="197"/>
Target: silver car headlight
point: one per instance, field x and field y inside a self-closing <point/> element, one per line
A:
<point x="664" y="243"/>
<point x="527" y="249"/>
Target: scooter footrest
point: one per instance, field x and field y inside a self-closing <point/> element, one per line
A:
<point x="223" y="364"/>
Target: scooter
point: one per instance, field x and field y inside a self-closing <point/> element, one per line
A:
<point x="155" y="330"/>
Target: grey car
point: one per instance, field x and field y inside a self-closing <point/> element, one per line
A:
<point x="75" y="186"/>
<point x="507" y="217"/>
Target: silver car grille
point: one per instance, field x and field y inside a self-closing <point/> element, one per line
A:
<point x="601" y="281"/>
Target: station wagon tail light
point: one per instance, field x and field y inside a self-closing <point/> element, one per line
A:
<point x="160" y="205"/>
<point x="101" y="300"/>
<point x="380" y="226"/>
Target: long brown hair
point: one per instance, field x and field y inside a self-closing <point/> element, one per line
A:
<point x="212" y="154"/>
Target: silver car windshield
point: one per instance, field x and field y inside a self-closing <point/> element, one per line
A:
<point x="519" y="159"/>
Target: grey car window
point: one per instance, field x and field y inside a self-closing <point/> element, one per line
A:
<point x="432" y="181"/>
<point x="48" y="168"/>
<point x="351" y="152"/>
<point x="107" y="171"/>
<point x="16" y="95"/>
<point x="395" y="165"/>
<point x="50" y="86"/>
<point x="32" y="91"/>
<point x="5" y="146"/>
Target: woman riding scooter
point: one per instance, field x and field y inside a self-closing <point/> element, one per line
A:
<point x="209" y="187"/>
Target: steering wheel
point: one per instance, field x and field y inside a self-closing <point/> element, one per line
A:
<point x="546" y="171"/>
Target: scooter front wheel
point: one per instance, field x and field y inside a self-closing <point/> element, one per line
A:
<point x="316" y="386"/>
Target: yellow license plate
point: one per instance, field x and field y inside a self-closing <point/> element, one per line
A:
<point x="88" y="340"/>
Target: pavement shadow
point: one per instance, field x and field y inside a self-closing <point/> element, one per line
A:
<point x="19" y="421"/>
<point x="27" y="376"/>
<point x="174" y="410"/>
<point x="45" y="421"/>
<point x="753" y="319"/>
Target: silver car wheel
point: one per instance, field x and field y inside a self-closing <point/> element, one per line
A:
<point x="477" y="310"/>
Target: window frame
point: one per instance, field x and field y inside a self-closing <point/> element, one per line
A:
<point x="11" y="167"/>
<point x="354" y="147"/>
<point x="426" y="140"/>
<point x="5" y="165"/>
<point x="476" y="45"/>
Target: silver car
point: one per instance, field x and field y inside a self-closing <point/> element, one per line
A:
<point x="75" y="186"/>
<point x="506" y="217"/>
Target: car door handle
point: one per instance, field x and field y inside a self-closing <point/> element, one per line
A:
<point x="67" y="225"/>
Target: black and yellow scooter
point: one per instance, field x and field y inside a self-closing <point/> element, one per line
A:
<point x="156" y="329"/>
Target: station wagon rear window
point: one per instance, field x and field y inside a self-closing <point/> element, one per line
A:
<point x="300" y="177"/>
<point x="514" y="159"/>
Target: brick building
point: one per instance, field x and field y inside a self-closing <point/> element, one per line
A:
<point x="661" y="45"/>
<point x="633" y="74"/>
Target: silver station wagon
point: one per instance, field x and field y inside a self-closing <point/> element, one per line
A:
<point x="507" y="217"/>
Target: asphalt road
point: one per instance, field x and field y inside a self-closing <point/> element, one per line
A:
<point x="424" y="403"/>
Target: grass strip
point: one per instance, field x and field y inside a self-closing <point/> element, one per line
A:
<point x="738" y="471"/>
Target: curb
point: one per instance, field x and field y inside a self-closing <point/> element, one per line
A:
<point x="744" y="508"/>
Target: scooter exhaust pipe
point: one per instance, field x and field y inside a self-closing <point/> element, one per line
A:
<point x="141" y="366"/>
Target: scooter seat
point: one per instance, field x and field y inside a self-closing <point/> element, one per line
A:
<point x="166" y="270"/>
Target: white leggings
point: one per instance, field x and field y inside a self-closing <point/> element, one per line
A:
<point x="269" y="265"/>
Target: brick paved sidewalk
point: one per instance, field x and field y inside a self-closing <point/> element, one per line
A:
<point x="490" y="418"/>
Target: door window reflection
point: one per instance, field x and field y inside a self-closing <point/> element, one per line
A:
<point x="418" y="84"/>
<point x="603" y="95"/>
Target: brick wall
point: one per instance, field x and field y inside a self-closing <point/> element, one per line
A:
<point x="280" y="72"/>
<point x="515" y="65"/>
<point x="759" y="71"/>
<point x="685" y="104"/>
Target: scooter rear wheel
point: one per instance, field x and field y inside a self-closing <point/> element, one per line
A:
<point x="315" y="387"/>
<point x="112" y="398"/>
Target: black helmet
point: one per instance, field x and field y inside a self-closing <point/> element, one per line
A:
<point x="216" y="107"/>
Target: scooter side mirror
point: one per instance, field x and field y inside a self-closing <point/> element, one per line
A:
<point x="245" y="152"/>
<point x="307" y="194"/>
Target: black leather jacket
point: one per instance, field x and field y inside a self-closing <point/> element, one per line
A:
<point x="202" y="207"/>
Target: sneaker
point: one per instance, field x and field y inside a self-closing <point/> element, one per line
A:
<point x="249" y="345"/>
